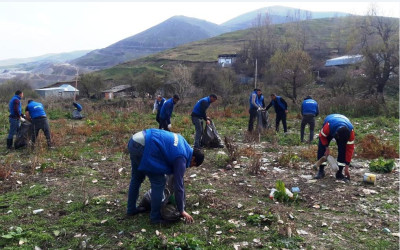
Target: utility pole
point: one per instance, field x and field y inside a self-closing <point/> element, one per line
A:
<point x="76" y="83"/>
<point x="255" y="76"/>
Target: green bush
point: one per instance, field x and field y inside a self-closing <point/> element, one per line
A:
<point x="381" y="165"/>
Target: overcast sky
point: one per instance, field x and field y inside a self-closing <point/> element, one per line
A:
<point x="35" y="28"/>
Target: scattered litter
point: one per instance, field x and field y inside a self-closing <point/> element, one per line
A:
<point x="311" y="181"/>
<point x="56" y="233"/>
<point x="218" y="232"/>
<point x="143" y="230"/>
<point x="324" y="224"/>
<point x="280" y="221"/>
<point x="69" y="201"/>
<point x="256" y="241"/>
<point x="103" y="158"/>
<point x="369" y="191"/>
<point x="94" y="181"/>
<point x="120" y="170"/>
<point x="19" y="182"/>
<point x="221" y="153"/>
<point x="278" y="170"/>
<point x="263" y="168"/>
<point x="37" y="211"/>
<point x="266" y="229"/>
<point x="234" y="162"/>
<point x="300" y="231"/>
<point x="386" y="230"/>
<point x="193" y="175"/>
<point x="196" y="212"/>
<point x="316" y="206"/>
<point x="295" y="190"/>
<point x="396" y="234"/>
<point x="236" y="167"/>
<point x="103" y="221"/>
<point x="239" y="205"/>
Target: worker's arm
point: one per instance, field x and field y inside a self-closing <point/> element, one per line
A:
<point x="179" y="168"/>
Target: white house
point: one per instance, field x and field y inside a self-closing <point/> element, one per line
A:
<point x="226" y="60"/>
<point x="63" y="91"/>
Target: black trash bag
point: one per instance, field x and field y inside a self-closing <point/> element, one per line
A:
<point x="262" y="120"/>
<point x="169" y="211"/>
<point x="77" y="115"/>
<point x="23" y="135"/>
<point x="210" y="137"/>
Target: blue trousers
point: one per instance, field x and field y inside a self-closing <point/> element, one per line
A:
<point x="14" y="126"/>
<point x="199" y="130"/>
<point x="157" y="182"/>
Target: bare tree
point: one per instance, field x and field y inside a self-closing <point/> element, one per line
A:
<point x="292" y="70"/>
<point x="90" y="85"/>
<point x="181" y="80"/>
<point x="379" y="38"/>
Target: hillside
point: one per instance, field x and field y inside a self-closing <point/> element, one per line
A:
<point x="169" y="34"/>
<point x="319" y="44"/>
<point x="277" y="14"/>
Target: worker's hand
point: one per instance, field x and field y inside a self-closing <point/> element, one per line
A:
<point x="346" y="171"/>
<point x="327" y="151"/>
<point x="169" y="126"/>
<point x="154" y="111"/>
<point x="187" y="217"/>
<point x="286" y="111"/>
<point x="208" y="122"/>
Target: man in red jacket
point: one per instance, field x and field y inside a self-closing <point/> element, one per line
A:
<point x="339" y="127"/>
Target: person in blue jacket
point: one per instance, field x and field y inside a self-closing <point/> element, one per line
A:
<point x="155" y="153"/>
<point x="338" y="127"/>
<point x="198" y="114"/>
<point x="309" y="110"/>
<point x="281" y="110"/>
<point x="157" y="107"/>
<point x="166" y="112"/>
<point x="14" y="107"/>
<point x="76" y="114"/>
<point x="35" y="112"/>
<point x="256" y="101"/>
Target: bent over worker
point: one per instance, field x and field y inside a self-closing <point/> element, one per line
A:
<point x="155" y="153"/>
<point x="339" y="127"/>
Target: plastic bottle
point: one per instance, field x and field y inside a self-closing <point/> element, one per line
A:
<point x="290" y="194"/>
<point x="271" y="194"/>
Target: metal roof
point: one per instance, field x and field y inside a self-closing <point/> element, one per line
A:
<point x="117" y="88"/>
<point x="344" y="60"/>
<point x="64" y="87"/>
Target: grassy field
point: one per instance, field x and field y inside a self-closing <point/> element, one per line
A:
<point x="82" y="186"/>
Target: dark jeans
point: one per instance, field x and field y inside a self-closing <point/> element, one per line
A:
<point x="14" y="126"/>
<point x="199" y="130"/>
<point x="41" y="124"/>
<point x="341" y="150"/>
<point x="158" y="119"/>
<point x="253" y="116"/>
<point x="157" y="182"/>
<point x="164" y="124"/>
<point x="310" y="120"/>
<point x="279" y="117"/>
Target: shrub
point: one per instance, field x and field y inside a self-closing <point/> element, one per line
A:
<point x="381" y="165"/>
<point x="372" y="147"/>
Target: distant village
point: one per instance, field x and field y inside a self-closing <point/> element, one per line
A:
<point x="67" y="89"/>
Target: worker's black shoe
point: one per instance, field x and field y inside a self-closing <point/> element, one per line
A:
<point x="137" y="211"/>
<point x="321" y="173"/>
<point x="9" y="143"/>
<point x="341" y="177"/>
<point x="161" y="222"/>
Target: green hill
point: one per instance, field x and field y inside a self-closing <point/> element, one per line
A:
<point x="171" y="33"/>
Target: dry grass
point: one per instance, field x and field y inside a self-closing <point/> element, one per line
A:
<point x="372" y="147"/>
